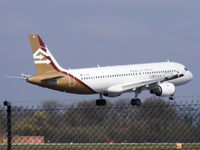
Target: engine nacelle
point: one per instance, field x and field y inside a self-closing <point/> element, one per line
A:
<point x="164" y="89"/>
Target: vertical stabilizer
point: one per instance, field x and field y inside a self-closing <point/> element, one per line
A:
<point x="43" y="60"/>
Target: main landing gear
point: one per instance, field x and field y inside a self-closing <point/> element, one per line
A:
<point x="172" y="97"/>
<point x="101" y="101"/>
<point x="136" y="101"/>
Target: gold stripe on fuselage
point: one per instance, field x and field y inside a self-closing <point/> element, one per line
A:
<point x="61" y="82"/>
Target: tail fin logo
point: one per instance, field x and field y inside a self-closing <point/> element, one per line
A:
<point x="39" y="55"/>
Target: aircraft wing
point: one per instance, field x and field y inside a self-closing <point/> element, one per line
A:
<point x="132" y="86"/>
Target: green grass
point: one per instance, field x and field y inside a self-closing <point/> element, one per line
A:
<point x="102" y="147"/>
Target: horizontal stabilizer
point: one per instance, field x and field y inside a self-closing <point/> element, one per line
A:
<point x="23" y="76"/>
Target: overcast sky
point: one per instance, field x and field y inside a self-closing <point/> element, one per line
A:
<point x="85" y="33"/>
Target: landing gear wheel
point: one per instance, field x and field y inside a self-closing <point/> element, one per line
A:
<point x="172" y="97"/>
<point x="133" y="102"/>
<point x="136" y="102"/>
<point x="101" y="102"/>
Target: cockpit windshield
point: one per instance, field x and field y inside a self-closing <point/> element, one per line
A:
<point x="186" y="69"/>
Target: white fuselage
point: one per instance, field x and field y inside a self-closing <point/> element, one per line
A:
<point x="101" y="78"/>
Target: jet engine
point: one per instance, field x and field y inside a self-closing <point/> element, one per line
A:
<point x="164" y="89"/>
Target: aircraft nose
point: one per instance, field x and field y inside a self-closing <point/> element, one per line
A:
<point x="189" y="75"/>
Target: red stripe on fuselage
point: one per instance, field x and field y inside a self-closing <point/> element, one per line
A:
<point x="70" y="75"/>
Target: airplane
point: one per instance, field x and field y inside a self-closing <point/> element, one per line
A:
<point x="160" y="78"/>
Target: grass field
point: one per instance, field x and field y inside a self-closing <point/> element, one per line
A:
<point x="104" y="147"/>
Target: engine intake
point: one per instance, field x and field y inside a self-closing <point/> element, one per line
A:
<point x="164" y="89"/>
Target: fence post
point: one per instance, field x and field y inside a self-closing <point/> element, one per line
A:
<point x="9" y="131"/>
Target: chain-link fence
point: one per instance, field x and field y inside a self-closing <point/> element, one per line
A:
<point x="156" y="125"/>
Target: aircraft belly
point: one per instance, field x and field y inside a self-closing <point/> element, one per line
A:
<point x="102" y="86"/>
<point x="178" y="81"/>
<point x="99" y="86"/>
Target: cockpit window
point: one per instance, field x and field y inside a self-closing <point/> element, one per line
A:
<point x="186" y="69"/>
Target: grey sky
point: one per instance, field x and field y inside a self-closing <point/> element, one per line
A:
<point x="107" y="32"/>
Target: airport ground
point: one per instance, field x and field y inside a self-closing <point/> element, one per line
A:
<point x="155" y="146"/>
